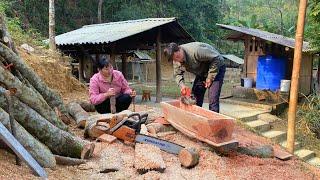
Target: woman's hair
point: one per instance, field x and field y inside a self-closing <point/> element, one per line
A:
<point x="103" y="62"/>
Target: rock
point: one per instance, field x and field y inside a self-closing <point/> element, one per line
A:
<point x="27" y="48"/>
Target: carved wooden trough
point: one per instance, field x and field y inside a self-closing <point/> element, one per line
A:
<point x="210" y="127"/>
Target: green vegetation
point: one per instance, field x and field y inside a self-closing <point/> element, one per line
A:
<point x="312" y="31"/>
<point x="310" y="113"/>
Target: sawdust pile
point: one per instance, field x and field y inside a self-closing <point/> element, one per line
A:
<point x="53" y="68"/>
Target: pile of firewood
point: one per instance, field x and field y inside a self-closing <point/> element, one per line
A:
<point x="39" y="128"/>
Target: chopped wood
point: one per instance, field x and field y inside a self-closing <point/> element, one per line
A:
<point x="113" y="104"/>
<point x="51" y="97"/>
<point x="31" y="98"/>
<point x="148" y="158"/>
<point x="143" y="129"/>
<point x="189" y="157"/>
<point x="163" y="134"/>
<point x="106" y="138"/>
<point x="37" y="150"/>
<point x="79" y="114"/>
<point x="59" y="142"/>
<point x="62" y="160"/>
<point x="155" y="128"/>
<point x="110" y="160"/>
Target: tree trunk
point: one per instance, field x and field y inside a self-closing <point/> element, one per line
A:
<point x="80" y="115"/>
<point x="59" y="142"/>
<point x="5" y="35"/>
<point x="99" y="11"/>
<point x="52" y="42"/>
<point x="86" y="106"/>
<point x="31" y="98"/>
<point x="39" y="152"/>
<point x="68" y="161"/>
<point x="51" y="97"/>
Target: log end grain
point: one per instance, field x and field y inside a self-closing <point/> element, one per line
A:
<point x="189" y="157"/>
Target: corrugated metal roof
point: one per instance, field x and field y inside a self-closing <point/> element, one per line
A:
<point x="275" y="38"/>
<point x="109" y="32"/>
<point x="142" y="55"/>
<point x="233" y="58"/>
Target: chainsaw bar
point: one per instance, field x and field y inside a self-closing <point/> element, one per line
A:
<point x="164" y="145"/>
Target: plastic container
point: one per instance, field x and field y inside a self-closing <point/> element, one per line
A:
<point x="270" y="71"/>
<point x="285" y="85"/>
<point x="247" y="82"/>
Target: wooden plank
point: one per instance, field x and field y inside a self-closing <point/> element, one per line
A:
<point x="21" y="151"/>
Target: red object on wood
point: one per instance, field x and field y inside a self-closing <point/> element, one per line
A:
<point x="196" y="122"/>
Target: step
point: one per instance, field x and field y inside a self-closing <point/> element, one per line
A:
<point x="258" y="125"/>
<point x="315" y="161"/>
<point x="297" y="145"/>
<point x="277" y="136"/>
<point x="304" y="154"/>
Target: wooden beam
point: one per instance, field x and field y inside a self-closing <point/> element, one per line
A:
<point x="21" y="151"/>
<point x="295" y="75"/>
<point x="158" y="67"/>
<point x="124" y="65"/>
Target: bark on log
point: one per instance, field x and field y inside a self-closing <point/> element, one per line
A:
<point x="38" y="151"/>
<point x="189" y="157"/>
<point x="5" y="35"/>
<point x="62" y="160"/>
<point x="26" y="95"/>
<point x="86" y="106"/>
<point x="79" y="115"/>
<point x="59" y="142"/>
<point x="52" y="98"/>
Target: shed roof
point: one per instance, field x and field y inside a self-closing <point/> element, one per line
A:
<point x="233" y="58"/>
<point x="110" y="32"/>
<point x="142" y="55"/>
<point x="275" y="38"/>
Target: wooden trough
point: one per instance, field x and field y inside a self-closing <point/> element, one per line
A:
<point x="210" y="127"/>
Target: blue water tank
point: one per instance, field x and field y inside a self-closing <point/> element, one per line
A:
<point x="270" y="71"/>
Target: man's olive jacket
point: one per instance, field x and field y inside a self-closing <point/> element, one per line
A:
<point x="200" y="59"/>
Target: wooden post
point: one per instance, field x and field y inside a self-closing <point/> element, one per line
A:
<point x="81" y="68"/>
<point x="295" y="76"/>
<point x="158" y="67"/>
<point x="124" y="65"/>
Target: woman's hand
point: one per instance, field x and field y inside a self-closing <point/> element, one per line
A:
<point x="110" y="92"/>
<point x="133" y="93"/>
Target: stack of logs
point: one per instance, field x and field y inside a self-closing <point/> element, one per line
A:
<point x="39" y="128"/>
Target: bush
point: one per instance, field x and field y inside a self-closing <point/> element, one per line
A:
<point x="310" y="112"/>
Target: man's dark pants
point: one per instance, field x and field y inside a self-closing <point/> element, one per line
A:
<point x="122" y="103"/>
<point x="199" y="89"/>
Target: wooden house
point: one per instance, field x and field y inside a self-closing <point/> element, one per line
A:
<point x="258" y="42"/>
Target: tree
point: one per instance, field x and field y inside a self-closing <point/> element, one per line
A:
<point x="99" y="11"/>
<point x="52" y="42"/>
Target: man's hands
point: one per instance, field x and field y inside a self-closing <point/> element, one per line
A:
<point x="185" y="90"/>
<point x="208" y="83"/>
<point x="110" y="92"/>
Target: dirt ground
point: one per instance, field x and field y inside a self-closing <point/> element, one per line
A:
<point x="211" y="164"/>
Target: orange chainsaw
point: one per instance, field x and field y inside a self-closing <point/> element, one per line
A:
<point x="186" y="97"/>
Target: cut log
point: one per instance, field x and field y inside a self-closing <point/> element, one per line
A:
<point x="37" y="150"/>
<point x="21" y="151"/>
<point x="265" y="151"/>
<point x="189" y="157"/>
<point x="5" y="35"/>
<point x="148" y="158"/>
<point x="26" y="95"/>
<point x="155" y="128"/>
<point x="51" y="97"/>
<point x="59" y="142"/>
<point x="86" y="106"/>
<point x="106" y="138"/>
<point x="62" y="160"/>
<point x="80" y="115"/>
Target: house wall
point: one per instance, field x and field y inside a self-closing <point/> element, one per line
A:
<point x="254" y="47"/>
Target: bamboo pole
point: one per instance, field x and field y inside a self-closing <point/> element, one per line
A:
<point x="295" y="75"/>
<point x="158" y="67"/>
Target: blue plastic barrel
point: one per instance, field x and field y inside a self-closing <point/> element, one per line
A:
<point x="270" y="71"/>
